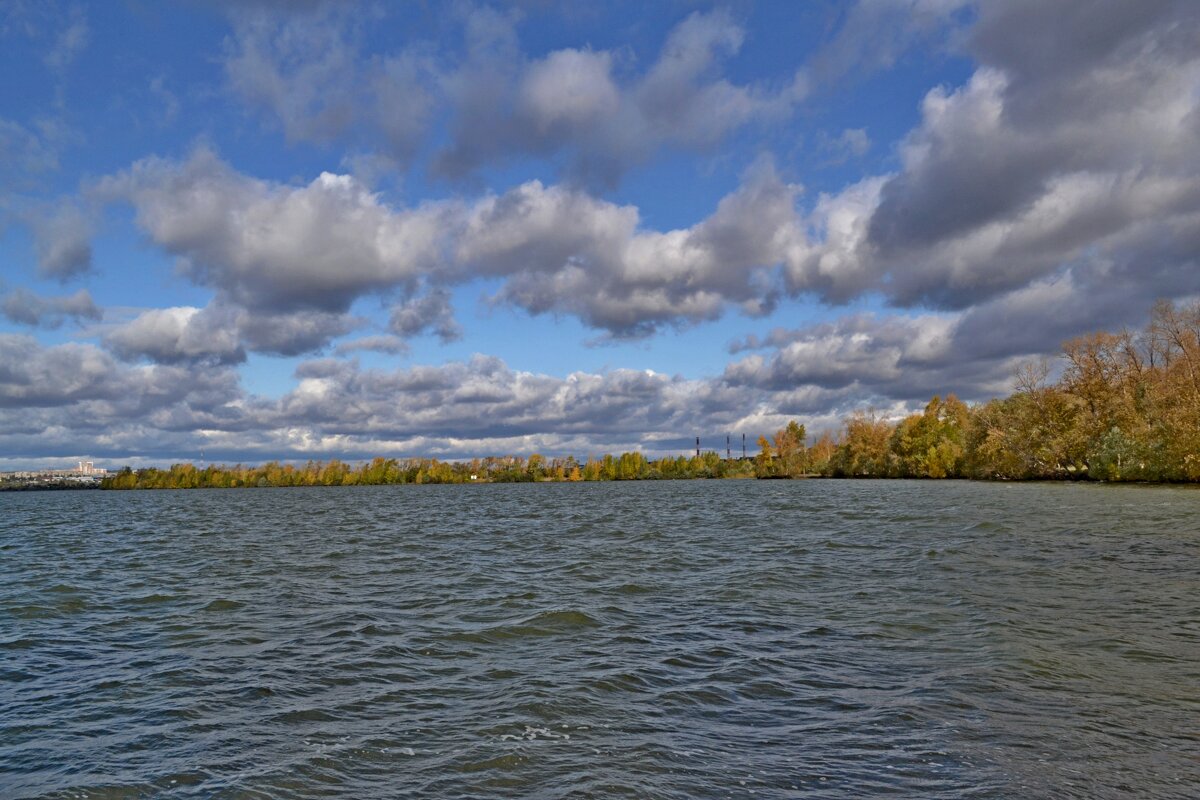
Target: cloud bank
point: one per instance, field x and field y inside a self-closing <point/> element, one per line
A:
<point x="1052" y="191"/>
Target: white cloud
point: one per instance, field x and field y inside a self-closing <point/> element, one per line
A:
<point x="277" y="247"/>
<point x="170" y="335"/>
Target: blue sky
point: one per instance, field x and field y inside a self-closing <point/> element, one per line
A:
<point x="338" y="228"/>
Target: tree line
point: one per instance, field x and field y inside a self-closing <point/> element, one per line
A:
<point x="1126" y="407"/>
<point x="379" y="471"/>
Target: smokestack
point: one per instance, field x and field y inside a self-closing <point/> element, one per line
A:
<point x="743" y="445"/>
<point x="697" y="447"/>
<point x="728" y="454"/>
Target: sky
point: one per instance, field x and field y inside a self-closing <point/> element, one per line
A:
<point x="241" y="231"/>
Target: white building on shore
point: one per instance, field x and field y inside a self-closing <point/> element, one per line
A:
<point x="85" y="472"/>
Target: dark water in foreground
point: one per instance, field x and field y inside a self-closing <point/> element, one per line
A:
<point x="695" y="639"/>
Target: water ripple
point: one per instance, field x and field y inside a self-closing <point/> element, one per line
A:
<point x="820" y="639"/>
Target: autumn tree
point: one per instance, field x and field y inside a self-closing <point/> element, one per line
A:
<point x="764" y="463"/>
<point x="790" y="442"/>
<point x="821" y="453"/>
<point x="931" y="444"/>
<point x="864" y="449"/>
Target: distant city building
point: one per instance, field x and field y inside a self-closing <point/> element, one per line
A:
<point x="86" y="473"/>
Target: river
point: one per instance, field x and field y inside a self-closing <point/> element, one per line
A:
<point x="692" y="639"/>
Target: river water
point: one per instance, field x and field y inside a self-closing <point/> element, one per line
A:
<point x="697" y="639"/>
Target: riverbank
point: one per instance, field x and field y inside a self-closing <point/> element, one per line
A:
<point x="385" y="472"/>
<point x="53" y="484"/>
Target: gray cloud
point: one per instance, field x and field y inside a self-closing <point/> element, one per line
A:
<point x="279" y="248"/>
<point x="974" y="352"/>
<point x="1057" y="191"/>
<point x="26" y="151"/>
<point x="292" y="333"/>
<point x="83" y="376"/>
<point x="78" y="397"/>
<point x="27" y="308"/>
<point x="990" y="201"/>
<point x="222" y="334"/>
<point x="386" y="344"/>
<point x="303" y="66"/>
<point x="894" y="359"/>
<point x="284" y="249"/>
<point x="30" y="152"/>
<point x="75" y="398"/>
<point x="849" y="144"/>
<point x="873" y="34"/>
<point x="175" y="335"/>
<point x="1074" y="145"/>
<point x="63" y="240"/>
<point x="573" y="105"/>
<point x="300" y="69"/>
<point x="569" y="253"/>
<point x="482" y="405"/>
<point x="428" y="312"/>
<point x="307" y="70"/>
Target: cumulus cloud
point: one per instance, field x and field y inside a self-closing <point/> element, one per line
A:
<point x="172" y="335"/>
<point x="28" y="308"/>
<point x="576" y="105"/>
<point x="1066" y="146"/>
<point x="274" y="247"/>
<point x="1057" y="190"/>
<point x="307" y="70"/>
<point x="285" y="249"/>
<point x="72" y="398"/>
<point x="78" y="397"/>
<point x="1019" y="179"/>
<point x="973" y="352"/>
<point x="222" y="334"/>
<point x="567" y="252"/>
<point x="886" y="359"/>
<point x="483" y="398"/>
<point x="34" y="376"/>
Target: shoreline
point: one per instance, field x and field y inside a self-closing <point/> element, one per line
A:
<point x="863" y="478"/>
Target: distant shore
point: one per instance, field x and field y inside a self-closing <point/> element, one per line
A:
<point x="1126" y="408"/>
<point x="33" y="486"/>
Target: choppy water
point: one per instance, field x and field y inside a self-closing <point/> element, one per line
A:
<point x="819" y="639"/>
